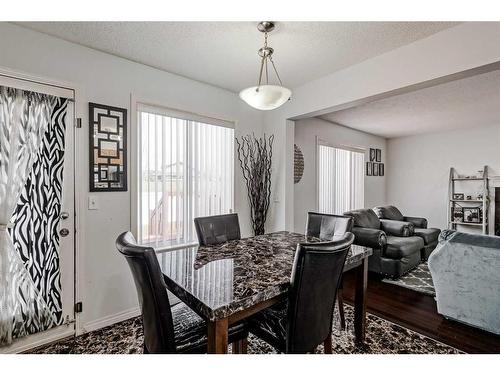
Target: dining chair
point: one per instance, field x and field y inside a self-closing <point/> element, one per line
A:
<point x="167" y="329"/>
<point x="326" y="227"/>
<point x="213" y="230"/>
<point x="304" y="321"/>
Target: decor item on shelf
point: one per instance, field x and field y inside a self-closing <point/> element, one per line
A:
<point x="472" y="214"/>
<point x="255" y="156"/>
<point x="108" y="148"/>
<point x="477" y="215"/>
<point x="369" y="168"/>
<point x="266" y="97"/>
<point x="378" y="156"/>
<point x="298" y="164"/>
<point x="457" y="214"/>
<point x="373" y="154"/>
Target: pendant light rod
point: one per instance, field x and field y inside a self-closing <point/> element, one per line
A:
<point x="266" y="96"/>
<point x="266" y="53"/>
<point x="260" y="73"/>
<point x="275" y="70"/>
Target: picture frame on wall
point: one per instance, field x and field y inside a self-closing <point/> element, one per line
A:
<point x="373" y="154"/>
<point x="375" y="169"/>
<point x="378" y="155"/>
<point x="107" y="148"/>
<point x="369" y="168"/>
<point x="381" y="168"/>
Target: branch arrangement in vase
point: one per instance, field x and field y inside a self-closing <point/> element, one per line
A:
<point x="255" y="156"/>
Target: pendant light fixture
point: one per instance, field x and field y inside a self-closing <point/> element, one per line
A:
<point x="265" y="96"/>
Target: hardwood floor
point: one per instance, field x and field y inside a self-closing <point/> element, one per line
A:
<point x="418" y="312"/>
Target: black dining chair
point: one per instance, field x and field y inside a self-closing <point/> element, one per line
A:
<point x="213" y="230"/>
<point x="303" y="322"/>
<point x="167" y="329"/>
<point x="326" y="227"/>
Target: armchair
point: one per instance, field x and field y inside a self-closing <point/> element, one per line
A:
<point x="429" y="235"/>
<point x="395" y="250"/>
<point x="464" y="269"/>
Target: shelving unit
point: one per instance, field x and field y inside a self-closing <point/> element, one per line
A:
<point x="454" y="177"/>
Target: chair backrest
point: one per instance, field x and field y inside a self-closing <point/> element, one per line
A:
<point x="313" y="286"/>
<point x="213" y="230"/>
<point x="389" y="213"/>
<point x="364" y="218"/>
<point x="326" y="226"/>
<point x="157" y="320"/>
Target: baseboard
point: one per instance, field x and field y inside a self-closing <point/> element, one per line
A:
<point x="38" y="339"/>
<point x="109" y="320"/>
<point x="116" y="318"/>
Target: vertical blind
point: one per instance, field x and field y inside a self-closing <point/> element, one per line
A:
<point x="186" y="171"/>
<point x="340" y="179"/>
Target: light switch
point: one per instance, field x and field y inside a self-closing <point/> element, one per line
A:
<point x="93" y="203"/>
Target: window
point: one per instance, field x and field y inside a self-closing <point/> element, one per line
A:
<point x="340" y="179"/>
<point x="185" y="171"/>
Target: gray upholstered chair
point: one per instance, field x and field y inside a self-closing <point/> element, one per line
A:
<point x="327" y="227"/>
<point x="395" y="250"/>
<point x="429" y="235"/>
<point x="465" y="272"/>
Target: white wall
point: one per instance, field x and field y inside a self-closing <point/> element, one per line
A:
<point x="305" y="191"/>
<point x="106" y="286"/>
<point x="419" y="167"/>
<point x="466" y="46"/>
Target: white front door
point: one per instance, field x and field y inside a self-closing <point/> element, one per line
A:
<point x="62" y="264"/>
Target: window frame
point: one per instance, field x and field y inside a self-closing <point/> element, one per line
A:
<point x="136" y="104"/>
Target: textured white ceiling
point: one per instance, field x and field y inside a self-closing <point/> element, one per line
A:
<point x="224" y="54"/>
<point x="465" y="103"/>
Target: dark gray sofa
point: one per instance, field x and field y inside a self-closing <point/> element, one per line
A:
<point x="395" y="250"/>
<point x="429" y="235"/>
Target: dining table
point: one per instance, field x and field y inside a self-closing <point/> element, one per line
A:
<point x="229" y="282"/>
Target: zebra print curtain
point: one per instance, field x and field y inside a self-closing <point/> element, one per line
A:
<point x="32" y="128"/>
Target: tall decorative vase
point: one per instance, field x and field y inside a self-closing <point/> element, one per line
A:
<point x="255" y="156"/>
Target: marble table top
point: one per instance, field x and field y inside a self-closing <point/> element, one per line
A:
<point x="217" y="281"/>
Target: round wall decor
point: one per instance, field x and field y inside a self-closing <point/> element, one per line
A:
<point x="298" y="164"/>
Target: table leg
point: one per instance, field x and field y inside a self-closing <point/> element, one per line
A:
<point x="328" y="344"/>
<point x="218" y="336"/>
<point x="240" y="347"/>
<point x="360" y="301"/>
<point x="236" y="347"/>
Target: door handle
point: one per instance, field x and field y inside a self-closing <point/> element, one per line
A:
<point x="64" y="232"/>
<point x="64" y="215"/>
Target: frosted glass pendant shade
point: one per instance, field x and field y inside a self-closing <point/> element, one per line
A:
<point x="265" y="97"/>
